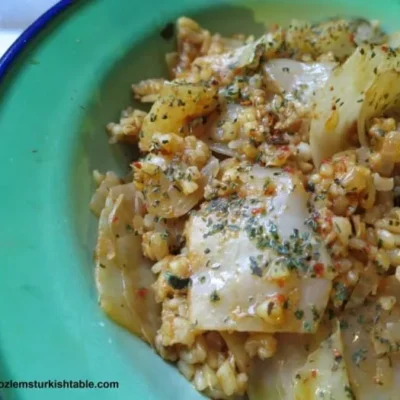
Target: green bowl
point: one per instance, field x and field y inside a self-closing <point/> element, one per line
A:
<point x="56" y="94"/>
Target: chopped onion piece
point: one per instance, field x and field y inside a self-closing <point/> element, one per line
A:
<point x="273" y="378"/>
<point x="383" y="184"/>
<point x="247" y="56"/>
<point x="98" y="200"/>
<point x="223" y="149"/>
<point x="210" y="170"/>
<point x="325" y="372"/>
<point x="298" y="79"/>
<point x="235" y="342"/>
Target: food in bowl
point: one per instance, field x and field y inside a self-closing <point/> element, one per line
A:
<point x="255" y="242"/>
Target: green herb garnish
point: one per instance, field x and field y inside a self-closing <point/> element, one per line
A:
<point x="176" y="282"/>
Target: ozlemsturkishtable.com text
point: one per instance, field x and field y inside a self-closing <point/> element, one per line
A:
<point x="59" y="384"/>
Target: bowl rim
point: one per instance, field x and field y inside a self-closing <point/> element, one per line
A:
<point x="29" y="33"/>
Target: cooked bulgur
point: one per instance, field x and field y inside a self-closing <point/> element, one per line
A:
<point x="258" y="244"/>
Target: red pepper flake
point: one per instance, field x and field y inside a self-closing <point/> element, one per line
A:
<point x="329" y="219"/>
<point x="269" y="191"/>
<point x="214" y="82"/>
<point x="238" y="71"/>
<point x="385" y="49"/>
<point x="137" y="165"/>
<point x="280" y="298"/>
<point x="319" y="269"/>
<point x="314" y="373"/>
<point x="272" y="119"/>
<point x="281" y="283"/>
<point x="142" y="292"/>
<point x="289" y="170"/>
<point x="326" y="161"/>
<point x="256" y="211"/>
<point x="253" y="132"/>
<point x="115" y="219"/>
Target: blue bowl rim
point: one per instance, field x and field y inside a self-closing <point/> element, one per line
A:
<point x="29" y="33"/>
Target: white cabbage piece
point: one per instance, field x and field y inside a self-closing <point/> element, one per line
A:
<point x="370" y="337"/>
<point x="339" y="37"/>
<point x="272" y="379"/>
<point x="123" y="275"/>
<point x="365" y="367"/>
<point x="298" y="80"/>
<point x="247" y="56"/>
<point x="372" y="375"/>
<point x="330" y="36"/>
<point x="284" y="376"/>
<point x="324" y="375"/>
<point x="243" y="254"/>
<point x="351" y="94"/>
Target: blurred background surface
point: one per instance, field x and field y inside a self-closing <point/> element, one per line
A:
<point x="16" y="15"/>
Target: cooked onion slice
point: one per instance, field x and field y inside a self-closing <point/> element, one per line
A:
<point x="380" y="97"/>
<point x="373" y="370"/>
<point x="273" y="378"/>
<point x="364" y="86"/>
<point x="298" y="79"/>
<point x="123" y="275"/>
<point x="325" y="372"/>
